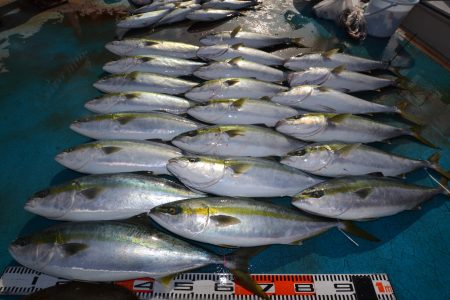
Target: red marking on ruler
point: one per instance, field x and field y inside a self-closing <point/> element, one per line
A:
<point x="288" y="285"/>
<point x="141" y="285"/>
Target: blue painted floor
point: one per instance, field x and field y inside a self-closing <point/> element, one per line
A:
<point x="49" y="78"/>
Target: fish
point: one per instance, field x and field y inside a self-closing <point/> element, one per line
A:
<point x="326" y="100"/>
<point x="340" y="159"/>
<point x="106" y="197"/>
<point x="140" y="46"/>
<point x="115" y="250"/>
<point x="143" y="19"/>
<point x="138" y="126"/>
<point x="239" y="68"/>
<point x="178" y="14"/>
<point x="169" y="66"/>
<point x="223" y="52"/>
<point x="236" y="140"/>
<point x="331" y="59"/>
<point x="167" y="4"/>
<point x="363" y="197"/>
<point x="248" y="39"/>
<point x="76" y="290"/>
<point x="211" y="14"/>
<point x="113" y="156"/>
<point x="228" y="88"/>
<point x="138" y="102"/>
<point x="241" y="111"/>
<point x="240" y="176"/>
<point x="347" y="128"/>
<point x="339" y="79"/>
<point x="144" y="82"/>
<point x="240" y="222"/>
<point x="229" y="4"/>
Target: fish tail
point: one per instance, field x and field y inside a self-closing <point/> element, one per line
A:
<point x="402" y="82"/>
<point x="350" y="228"/>
<point x="237" y="262"/>
<point x="433" y="161"/>
<point x="401" y="108"/>
<point x="416" y="132"/>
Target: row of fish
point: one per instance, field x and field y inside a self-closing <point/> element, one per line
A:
<point x="228" y="160"/>
<point x="168" y="12"/>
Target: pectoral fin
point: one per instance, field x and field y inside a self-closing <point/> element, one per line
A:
<point x="111" y="149"/>
<point x="364" y="192"/>
<point x="92" y="193"/>
<point x="166" y="279"/>
<point x="346" y="150"/>
<point x="72" y="248"/>
<point x="224" y="221"/>
<point x="240" y="168"/>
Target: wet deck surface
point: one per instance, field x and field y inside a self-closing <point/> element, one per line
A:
<point x="50" y="59"/>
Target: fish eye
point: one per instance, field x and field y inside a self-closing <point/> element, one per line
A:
<point x="21" y="242"/>
<point x="173" y="210"/>
<point x="69" y="150"/>
<point x="194" y="159"/>
<point x="42" y="194"/>
<point x="316" y="194"/>
<point x="300" y="152"/>
<point x="191" y="133"/>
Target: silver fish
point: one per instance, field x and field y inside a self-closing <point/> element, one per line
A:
<point x="326" y="100"/>
<point x="240" y="176"/>
<point x="236" y="140"/>
<point x="143" y="19"/>
<point x="178" y="14"/>
<point x="339" y="79"/>
<point x="363" y="197"/>
<point x="241" y="111"/>
<point x="114" y="156"/>
<point x="332" y="59"/>
<point x="240" y="68"/>
<point x="239" y="222"/>
<point x="249" y="39"/>
<point x="229" y="4"/>
<point x="223" y="52"/>
<point x="210" y="14"/>
<point x="138" y="102"/>
<point x="347" y="128"/>
<point x="139" y="46"/>
<point x="338" y="159"/>
<point x="144" y="82"/>
<point x="168" y="66"/>
<point x="106" y="197"/>
<point x="113" y="250"/>
<point x="167" y="4"/>
<point x="228" y="88"/>
<point x="138" y="126"/>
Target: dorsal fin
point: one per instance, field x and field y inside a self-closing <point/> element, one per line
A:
<point x="329" y="53"/>
<point x="235" y="31"/>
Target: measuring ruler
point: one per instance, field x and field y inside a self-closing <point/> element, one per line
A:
<point x="22" y="281"/>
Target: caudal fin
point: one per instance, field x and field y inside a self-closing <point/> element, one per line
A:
<point x="237" y="262"/>
<point x="434" y="164"/>
<point x="417" y="133"/>
<point x="350" y="228"/>
<point x="401" y="109"/>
